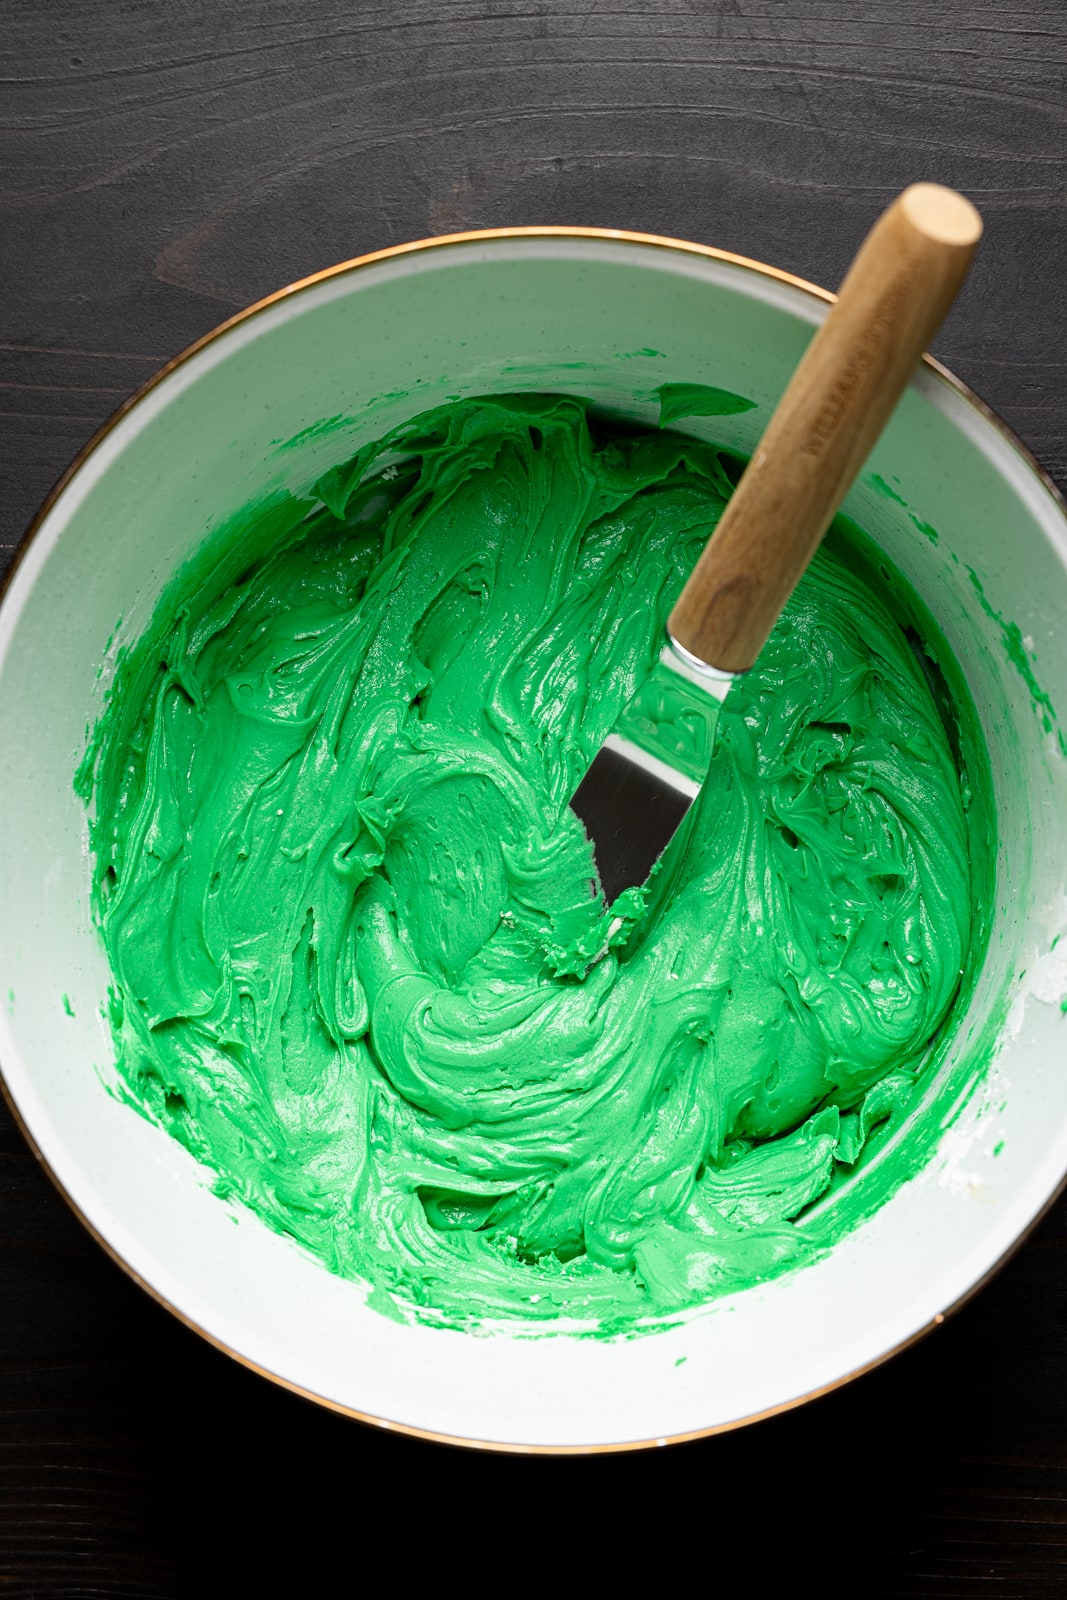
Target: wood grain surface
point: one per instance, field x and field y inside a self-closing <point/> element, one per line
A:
<point x="160" y="167"/>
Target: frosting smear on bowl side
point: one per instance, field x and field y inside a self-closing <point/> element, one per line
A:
<point x="333" y="856"/>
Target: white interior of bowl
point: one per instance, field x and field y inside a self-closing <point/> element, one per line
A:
<point x="373" y="346"/>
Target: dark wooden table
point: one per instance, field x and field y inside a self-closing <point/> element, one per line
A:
<point x="160" y="167"/>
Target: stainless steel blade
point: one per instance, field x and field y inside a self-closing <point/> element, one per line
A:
<point x="650" y="768"/>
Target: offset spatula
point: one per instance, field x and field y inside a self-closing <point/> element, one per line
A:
<point x="896" y="293"/>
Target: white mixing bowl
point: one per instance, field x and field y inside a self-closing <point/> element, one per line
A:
<point x="368" y="344"/>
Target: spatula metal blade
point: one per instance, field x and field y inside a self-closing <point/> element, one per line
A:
<point x="650" y="769"/>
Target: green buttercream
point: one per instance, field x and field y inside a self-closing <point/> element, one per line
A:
<point x="680" y="400"/>
<point x="670" y="719"/>
<point x="1019" y="656"/>
<point x="333" y="846"/>
<point x="885" y="489"/>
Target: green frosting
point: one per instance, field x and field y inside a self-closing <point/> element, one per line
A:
<point x="338" y="878"/>
<point x="680" y="400"/>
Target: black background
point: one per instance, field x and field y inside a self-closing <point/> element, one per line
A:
<point x="160" y="167"/>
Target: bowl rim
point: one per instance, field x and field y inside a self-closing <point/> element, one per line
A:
<point x="442" y="242"/>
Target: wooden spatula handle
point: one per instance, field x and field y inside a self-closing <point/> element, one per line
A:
<point x="892" y="301"/>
